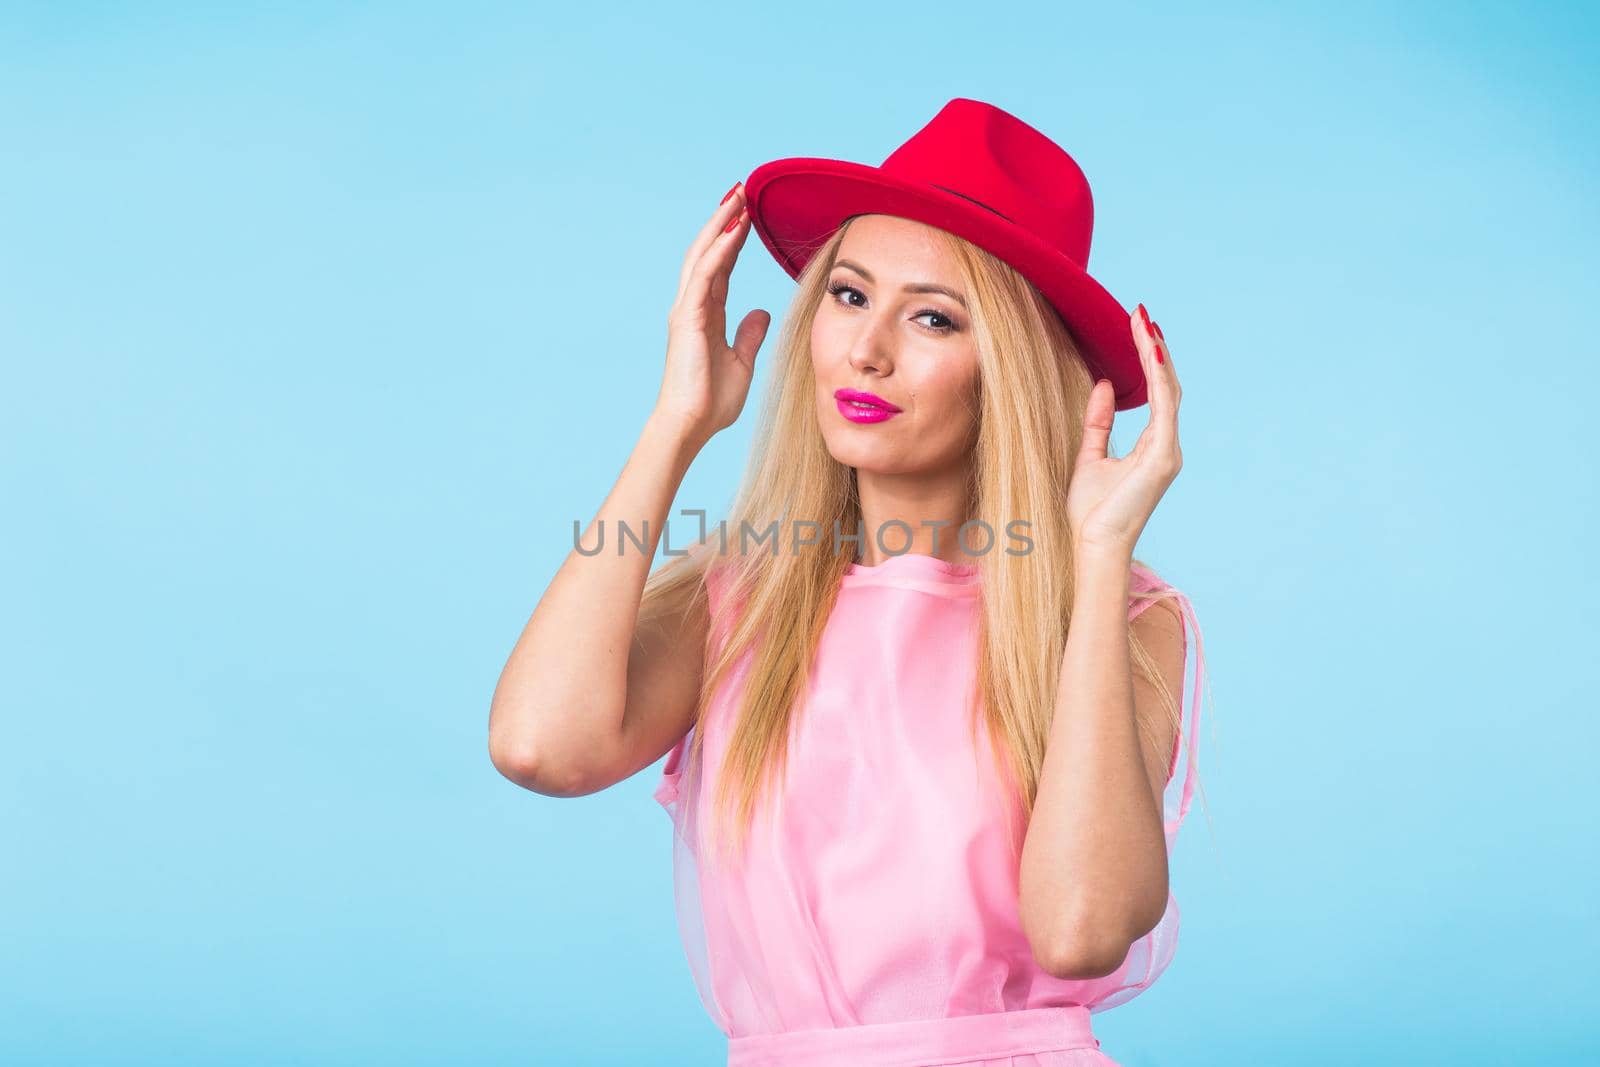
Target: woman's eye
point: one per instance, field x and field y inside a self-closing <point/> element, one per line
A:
<point x="937" y="315"/>
<point x="841" y="288"/>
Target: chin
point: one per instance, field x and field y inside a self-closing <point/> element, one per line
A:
<point x="855" y="449"/>
<point x="871" y="460"/>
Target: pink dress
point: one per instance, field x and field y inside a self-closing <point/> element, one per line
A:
<point x="875" y="920"/>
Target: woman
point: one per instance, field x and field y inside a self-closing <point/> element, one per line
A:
<point x="918" y="818"/>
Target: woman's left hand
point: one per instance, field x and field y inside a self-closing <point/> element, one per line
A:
<point x="1111" y="499"/>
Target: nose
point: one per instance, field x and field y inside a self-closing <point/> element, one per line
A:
<point x="870" y="351"/>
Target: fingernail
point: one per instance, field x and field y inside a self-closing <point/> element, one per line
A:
<point x="736" y="220"/>
<point x="1145" y="315"/>
<point x="1157" y="327"/>
<point x="730" y="192"/>
<point x="1159" y="357"/>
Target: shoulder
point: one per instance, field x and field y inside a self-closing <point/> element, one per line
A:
<point x="1147" y="589"/>
<point x="1156" y="619"/>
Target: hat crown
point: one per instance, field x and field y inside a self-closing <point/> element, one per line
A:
<point x="989" y="156"/>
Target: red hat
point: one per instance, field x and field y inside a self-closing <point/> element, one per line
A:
<point x="986" y="176"/>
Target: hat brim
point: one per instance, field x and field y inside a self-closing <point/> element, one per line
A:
<point x="796" y="204"/>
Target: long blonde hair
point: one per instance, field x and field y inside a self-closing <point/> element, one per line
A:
<point x="1033" y="388"/>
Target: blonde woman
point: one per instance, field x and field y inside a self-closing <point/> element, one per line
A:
<point x="922" y="710"/>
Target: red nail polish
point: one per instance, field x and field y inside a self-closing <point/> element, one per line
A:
<point x="1145" y="315"/>
<point x="1159" y="357"/>
<point x="730" y="192"/>
<point x="736" y="220"/>
<point x="1157" y="327"/>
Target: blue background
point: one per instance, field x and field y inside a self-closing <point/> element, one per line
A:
<point x="322" y="323"/>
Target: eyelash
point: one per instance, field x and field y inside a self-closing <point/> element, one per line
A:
<point x="840" y="287"/>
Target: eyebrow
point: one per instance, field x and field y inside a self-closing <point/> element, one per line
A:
<point x="920" y="287"/>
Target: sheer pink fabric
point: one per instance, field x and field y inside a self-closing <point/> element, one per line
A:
<point x="875" y="918"/>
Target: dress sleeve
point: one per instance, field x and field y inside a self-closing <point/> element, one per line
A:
<point x="666" y="791"/>
<point x="1183" y="769"/>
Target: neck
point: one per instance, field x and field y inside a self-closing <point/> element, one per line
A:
<point x="920" y="513"/>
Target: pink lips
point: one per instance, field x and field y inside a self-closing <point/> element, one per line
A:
<point x="863" y="407"/>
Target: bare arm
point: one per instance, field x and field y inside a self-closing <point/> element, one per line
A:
<point x="584" y="700"/>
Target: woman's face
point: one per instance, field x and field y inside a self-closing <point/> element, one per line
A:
<point x="884" y="329"/>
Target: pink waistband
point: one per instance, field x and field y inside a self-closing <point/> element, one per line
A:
<point x="921" y="1041"/>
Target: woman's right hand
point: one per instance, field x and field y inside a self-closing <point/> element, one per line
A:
<point x="706" y="380"/>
